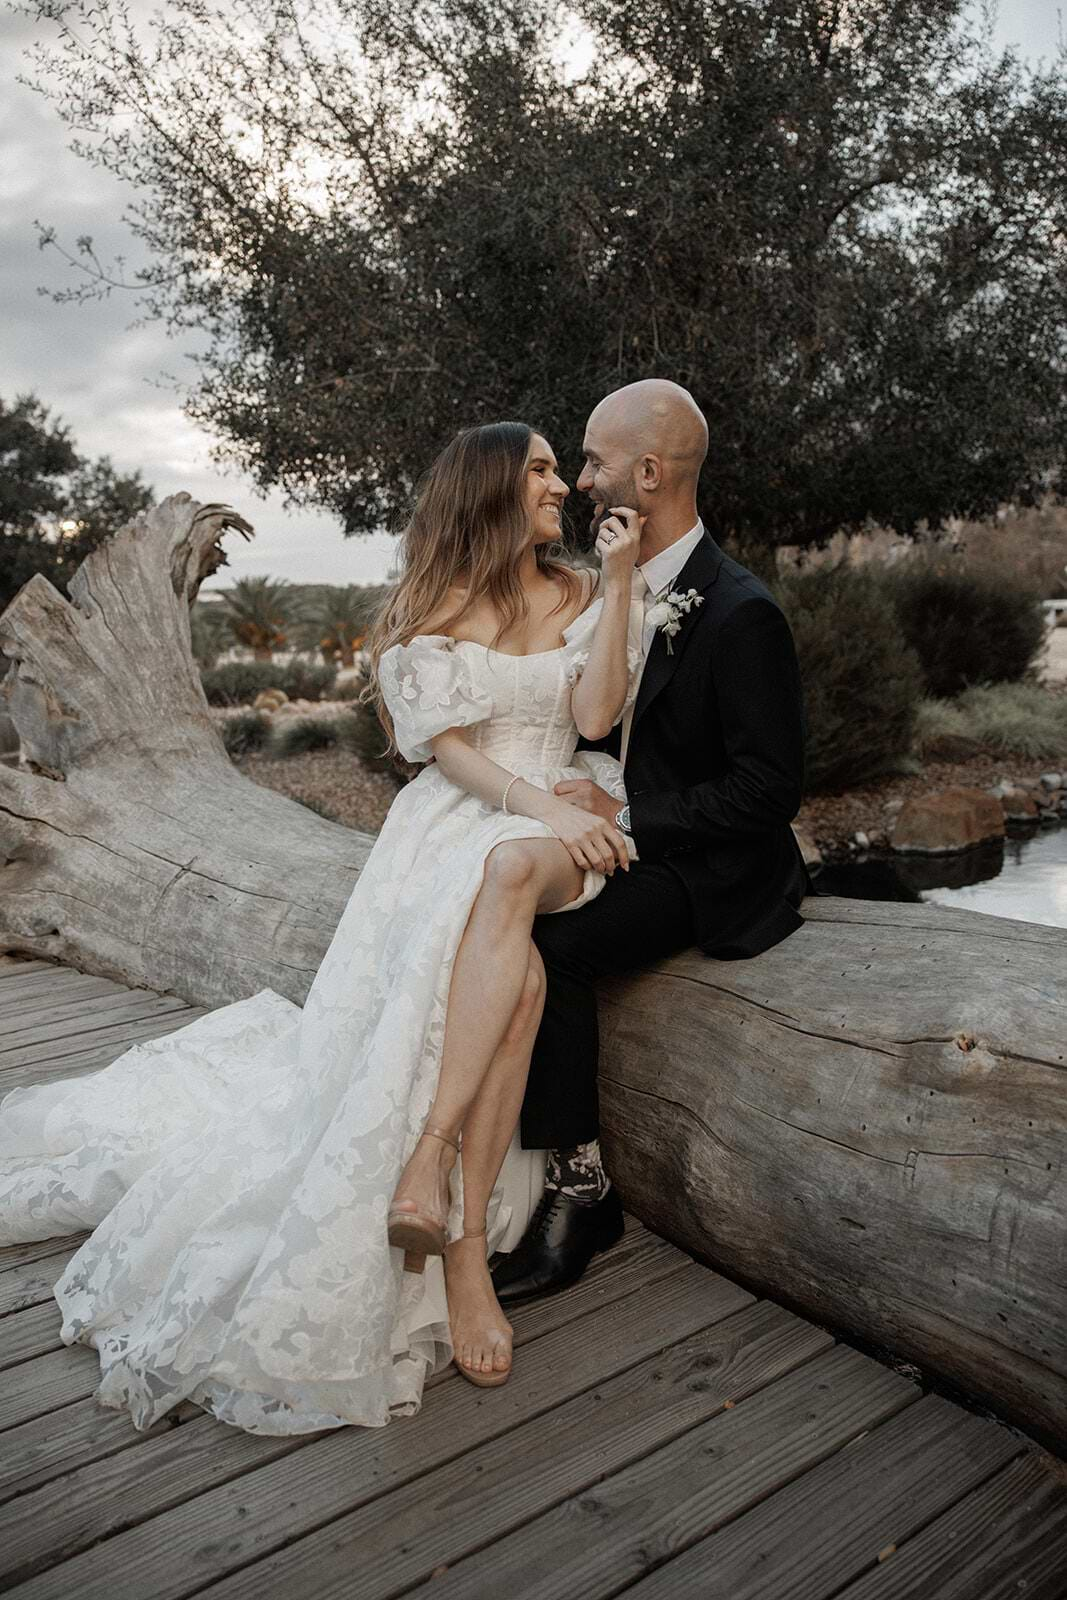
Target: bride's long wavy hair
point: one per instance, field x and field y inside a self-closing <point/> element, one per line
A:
<point x="469" y="528"/>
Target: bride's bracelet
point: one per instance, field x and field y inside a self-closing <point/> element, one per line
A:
<point x="507" y="791"/>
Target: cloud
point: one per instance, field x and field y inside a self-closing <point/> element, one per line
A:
<point x="107" y="379"/>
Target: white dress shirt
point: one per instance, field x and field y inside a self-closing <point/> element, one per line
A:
<point x="655" y="576"/>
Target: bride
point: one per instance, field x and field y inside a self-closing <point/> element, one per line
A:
<point x="293" y="1207"/>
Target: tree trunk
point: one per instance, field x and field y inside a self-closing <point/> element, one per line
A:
<point x="133" y="847"/>
<point x="865" y="1122"/>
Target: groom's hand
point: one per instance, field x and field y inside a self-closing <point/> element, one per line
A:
<point x="589" y="796"/>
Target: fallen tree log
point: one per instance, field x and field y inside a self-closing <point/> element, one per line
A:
<point x="132" y="847"/>
<point x="866" y="1122"/>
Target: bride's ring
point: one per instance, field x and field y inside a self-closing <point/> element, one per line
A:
<point x="609" y="538"/>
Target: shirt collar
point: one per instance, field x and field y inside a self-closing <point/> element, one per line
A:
<point x="665" y="567"/>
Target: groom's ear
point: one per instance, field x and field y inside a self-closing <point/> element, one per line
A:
<point x="650" y="472"/>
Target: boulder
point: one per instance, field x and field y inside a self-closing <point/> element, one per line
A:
<point x="269" y="700"/>
<point x="808" y="848"/>
<point x="951" y="747"/>
<point x="1053" y="780"/>
<point x="1018" y="806"/>
<point x="955" y="819"/>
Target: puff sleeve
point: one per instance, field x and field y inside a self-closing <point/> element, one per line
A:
<point x="578" y="638"/>
<point x="429" y="686"/>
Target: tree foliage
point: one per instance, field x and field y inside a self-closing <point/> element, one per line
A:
<point x="55" y="506"/>
<point x="839" y="222"/>
<point x="334" y="619"/>
<point x="261" y="613"/>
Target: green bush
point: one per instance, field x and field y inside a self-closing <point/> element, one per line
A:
<point x="237" y="683"/>
<point x="966" y="626"/>
<point x="861" y="680"/>
<point x="293" y="736"/>
<point x="248" y="730"/>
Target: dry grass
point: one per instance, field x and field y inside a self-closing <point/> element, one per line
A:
<point x="1020" y="719"/>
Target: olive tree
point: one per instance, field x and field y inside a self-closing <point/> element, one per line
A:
<point x="839" y="222"/>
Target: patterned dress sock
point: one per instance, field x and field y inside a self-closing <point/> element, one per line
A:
<point x="578" y="1173"/>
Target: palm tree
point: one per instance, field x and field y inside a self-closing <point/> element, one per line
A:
<point x="210" y="631"/>
<point x="260" y="613"/>
<point x="335" y="620"/>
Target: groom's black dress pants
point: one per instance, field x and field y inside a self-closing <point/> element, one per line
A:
<point x="638" y="918"/>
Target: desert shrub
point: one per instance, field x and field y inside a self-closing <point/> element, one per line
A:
<point x="349" y="687"/>
<point x="293" y="736"/>
<point x="236" y="683"/>
<point x="1028" y="543"/>
<point x="361" y="733"/>
<point x="967" y="626"/>
<point x="248" y="730"/>
<point x="861" y="680"/>
<point x="1020" y="719"/>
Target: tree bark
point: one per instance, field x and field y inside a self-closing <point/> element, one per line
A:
<point x="866" y="1122"/>
<point x="132" y="847"/>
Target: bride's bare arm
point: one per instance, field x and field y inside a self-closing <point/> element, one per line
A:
<point x="592" y="842"/>
<point x="600" y="693"/>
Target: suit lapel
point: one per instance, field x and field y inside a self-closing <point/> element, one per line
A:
<point x="699" y="572"/>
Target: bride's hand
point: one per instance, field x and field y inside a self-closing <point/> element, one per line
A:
<point x="592" y="842"/>
<point x="617" y="543"/>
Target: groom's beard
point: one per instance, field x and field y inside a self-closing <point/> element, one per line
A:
<point x="619" y="493"/>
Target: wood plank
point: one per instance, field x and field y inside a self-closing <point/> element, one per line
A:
<point x="87" y="1004"/>
<point x="209" y="1536"/>
<point x="31" y="1284"/>
<point x="403" y="1540"/>
<point x="83" y="1020"/>
<point x="29" y="1333"/>
<point x="815" y="1535"/>
<point x="12" y="964"/>
<point x="46" y="1383"/>
<point x="1003" y="1541"/>
<point x="15" y="999"/>
<point x="17" y="1255"/>
<point x="69" y="1058"/>
<point x="58" y="1442"/>
<point x="597" y="1542"/>
<point x="635" y="1265"/>
<point x="54" y="981"/>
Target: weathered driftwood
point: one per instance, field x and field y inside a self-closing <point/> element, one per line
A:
<point x="867" y="1122"/>
<point x="134" y="848"/>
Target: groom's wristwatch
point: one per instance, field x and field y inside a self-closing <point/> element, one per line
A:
<point x="622" y="820"/>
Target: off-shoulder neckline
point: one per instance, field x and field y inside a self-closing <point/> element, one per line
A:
<point x="509" y="655"/>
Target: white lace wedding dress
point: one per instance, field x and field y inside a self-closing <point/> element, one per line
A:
<point x="237" y="1173"/>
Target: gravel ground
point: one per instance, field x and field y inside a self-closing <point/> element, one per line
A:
<point x="337" y="784"/>
<point x="332" y="782"/>
<point x="832" y="819"/>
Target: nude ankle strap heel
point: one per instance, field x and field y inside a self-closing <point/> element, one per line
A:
<point x="420" y="1233"/>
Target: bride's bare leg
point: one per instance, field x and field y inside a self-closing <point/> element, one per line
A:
<point x="481" y="1334"/>
<point x="522" y="877"/>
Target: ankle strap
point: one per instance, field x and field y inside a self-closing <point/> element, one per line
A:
<point x="439" y="1133"/>
<point x="474" y="1233"/>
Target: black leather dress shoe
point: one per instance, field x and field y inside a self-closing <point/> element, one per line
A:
<point x="563" y="1237"/>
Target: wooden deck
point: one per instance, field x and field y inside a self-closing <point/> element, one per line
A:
<point x="665" y="1435"/>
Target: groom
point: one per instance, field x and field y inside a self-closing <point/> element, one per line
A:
<point x="712" y="752"/>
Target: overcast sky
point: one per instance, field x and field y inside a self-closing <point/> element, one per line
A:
<point x="116" y="386"/>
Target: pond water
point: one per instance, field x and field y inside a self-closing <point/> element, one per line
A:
<point x="1023" y="878"/>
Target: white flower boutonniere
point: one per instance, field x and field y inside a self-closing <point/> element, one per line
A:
<point x="667" y="613"/>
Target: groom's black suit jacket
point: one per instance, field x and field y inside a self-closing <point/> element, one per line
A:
<point x="714" y="768"/>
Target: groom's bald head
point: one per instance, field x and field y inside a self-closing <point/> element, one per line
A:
<point x="658" y="418"/>
<point x="644" y="447"/>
